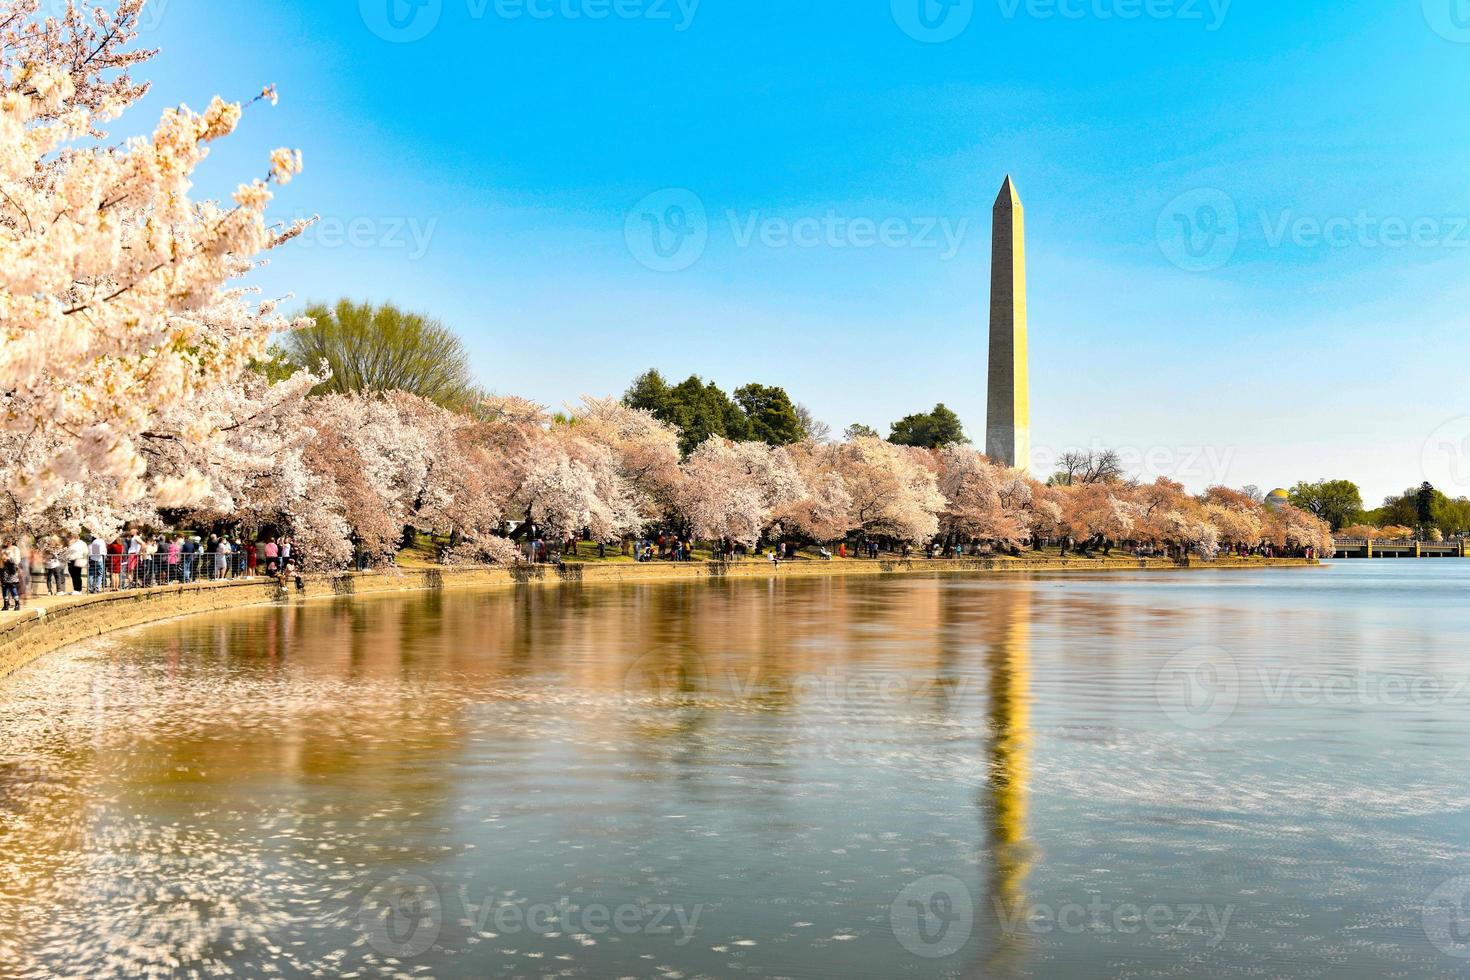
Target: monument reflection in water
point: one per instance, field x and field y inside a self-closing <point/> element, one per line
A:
<point x="1005" y="800"/>
<point x="898" y="777"/>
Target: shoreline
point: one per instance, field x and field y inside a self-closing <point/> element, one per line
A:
<point x="49" y="623"/>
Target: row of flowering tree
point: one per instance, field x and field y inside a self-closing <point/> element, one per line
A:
<point x="128" y="396"/>
<point x="341" y="469"/>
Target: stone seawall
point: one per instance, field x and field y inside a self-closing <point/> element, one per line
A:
<point x="49" y="624"/>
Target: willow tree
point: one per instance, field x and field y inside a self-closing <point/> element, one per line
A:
<point x="383" y="348"/>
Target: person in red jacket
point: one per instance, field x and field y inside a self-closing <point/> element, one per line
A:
<point x="114" y="562"/>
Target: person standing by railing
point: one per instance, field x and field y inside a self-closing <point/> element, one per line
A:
<point x="115" y="549"/>
<point x="30" y="568"/>
<point x="55" y="559"/>
<point x="222" y="557"/>
<point x="96" y="557"/>
<point x="175" y="549"/>
<point x="135" y="553"/>
<point x="76" y="560"/>
<point x="10" y="576"/>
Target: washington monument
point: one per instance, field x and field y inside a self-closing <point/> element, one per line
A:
<point x="1008" y="418"/>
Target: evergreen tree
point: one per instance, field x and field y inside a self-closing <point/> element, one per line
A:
<point x="698" y="409"/>
<point x="649" y="392"/>
<point x="1424" y="504"/>
<point x="773" y="417"/>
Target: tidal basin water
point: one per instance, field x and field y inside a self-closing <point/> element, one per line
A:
<point x="1203" y="774"/>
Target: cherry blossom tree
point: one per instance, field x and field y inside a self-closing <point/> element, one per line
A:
<point x="1098" y="514"/>
<point x="574" y="486"/>
<point x="346" y="501"/>
<point x="234" y="451"/>
<point x="824" y="512"/>
<point x="395" y="460"/>
<point x="983" y="502"/>
<point x="392" y="457"/>
<point x="1289" y="527"/>
<point x="894" y="489"/>
<point x="1235" y="514"/>
<point x="644" y="450"/>
<point x="734" y="490"/>
<point x="116" y="295"/>
<point x="1046" y="512"/>
<point x="71" y="504"/>
<point x="604" y="472"/>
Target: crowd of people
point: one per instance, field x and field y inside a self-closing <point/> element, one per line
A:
<point x="72" y="565"/>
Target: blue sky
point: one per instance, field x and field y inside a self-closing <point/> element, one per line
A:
<point x="498" y="164"/>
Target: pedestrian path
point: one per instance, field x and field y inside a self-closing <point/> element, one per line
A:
<point x="34" y="605"/>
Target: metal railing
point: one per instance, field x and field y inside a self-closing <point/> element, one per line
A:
<point x="1342" y="542"/>
<point x="117" y="573"/>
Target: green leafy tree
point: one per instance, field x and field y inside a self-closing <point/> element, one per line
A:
<point x="383" y="348"/>
<point x="1452" y="516"/>
<point x="1401" y="510"/>
<point x="1338" y="502"/>
<point x="859" y="431"/>
<point x="772" y="416"/>
<point x="276" y="366"/>
<point x="940" y="427"/>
